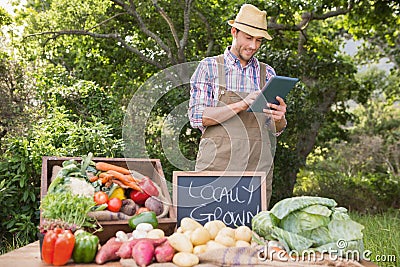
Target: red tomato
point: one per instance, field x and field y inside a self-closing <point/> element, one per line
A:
<point x="114" y="204"/>
<point x="100" y="197"/>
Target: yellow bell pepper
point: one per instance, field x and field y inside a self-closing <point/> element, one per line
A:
<point x="119" y="193"/>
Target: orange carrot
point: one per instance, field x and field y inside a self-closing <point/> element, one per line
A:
<point x="121" y="184"/>
<point x="105" y="177"/>
<point x="93" y="179"/>
<point x="121" y="177"/>
<point x="131" y="178"/>
<point x="125" y="179"/>
<point x="103" y="166"/>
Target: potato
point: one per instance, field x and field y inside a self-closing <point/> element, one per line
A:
<point x="188" y="233"/>
<point x="225" y="240"/>
<point x="199" y="249"/>
<point x="241" y="243"/>
<point x="243" y="233"/>
<point x="144" y="227"/>
<point x="200" y="236"/>
<point x="185" y="259"/>
<point x="213" y="227"/>
<point x="212" y="245"/>
<point x="227" y="231"/>
<point x="155" y="234"/>
<point x="136" y="234"/>
<point x="188" y="224"/>
<point x="180" y="242"/>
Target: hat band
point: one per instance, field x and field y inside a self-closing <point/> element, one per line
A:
<point x="245" y="24"/>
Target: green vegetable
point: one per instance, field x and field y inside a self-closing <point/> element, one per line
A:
<point x="144" y="217"/>
<point x="86" y="162"/>
<point x="310" y="223"/>
<point x="100" y="207"/>
<point x="69" y="208"/>
<point x="85" y="248"/>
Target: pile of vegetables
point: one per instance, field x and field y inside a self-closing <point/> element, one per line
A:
<point x="116" y="193"/>
<point x="69" y="199"/>
<point x="83" y="193"/>
<point x="146" y="244"/>
<point x="59" y="245"/>
<point x="192" y="239"/>
<point x="308" y="223"/>
<point x="143" y="244"/>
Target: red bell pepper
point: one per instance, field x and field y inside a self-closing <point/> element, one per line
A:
<point x="139" y="197"/>
<point x="57" y="247"/>
<point x="147" y="185"/>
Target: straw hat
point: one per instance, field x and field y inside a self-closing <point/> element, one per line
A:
<point x="252" y="21"/>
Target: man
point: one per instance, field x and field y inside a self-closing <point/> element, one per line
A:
<point x="222" y="89"/>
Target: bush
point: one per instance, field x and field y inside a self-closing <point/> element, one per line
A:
<point x="363" y="193"/>
<point x="349" y="181"/>
<point x="60" y="134"/>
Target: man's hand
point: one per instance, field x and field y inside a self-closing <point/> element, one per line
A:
<point x="277" y="112"/>
<point x="249" y="99"/>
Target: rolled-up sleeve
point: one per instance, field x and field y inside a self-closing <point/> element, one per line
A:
<point x="201" y="93"/>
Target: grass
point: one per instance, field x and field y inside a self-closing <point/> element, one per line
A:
<point x="381" y="236"/>
<point x="9" y="245"/>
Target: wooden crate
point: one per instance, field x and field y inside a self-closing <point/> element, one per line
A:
<point x="148" y="167"/>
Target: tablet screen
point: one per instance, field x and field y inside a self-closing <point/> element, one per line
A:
<point x="276" y="86"/>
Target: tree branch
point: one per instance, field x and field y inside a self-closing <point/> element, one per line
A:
<point x="169" y="22"/>
<point x="107" y="20"/>
<point x="186" y="23"/>
<point x="114" y="36"/>
<point x="306" y="17"/>
<point x="131" y="9"/>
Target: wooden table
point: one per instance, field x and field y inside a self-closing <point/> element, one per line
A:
<point x="29" y="256"/>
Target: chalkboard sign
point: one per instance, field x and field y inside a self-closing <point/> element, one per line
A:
<point x="232" y="197"/>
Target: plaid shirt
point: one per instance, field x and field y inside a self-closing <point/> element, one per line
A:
<point x="204" y="83"/>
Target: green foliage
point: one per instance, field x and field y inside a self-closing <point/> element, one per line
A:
<point x="17" y="108"/>
<point x="362" y="192"/>
<point x="362" y="173"/>
<point x="5" y="18"/>
<point x="59" y="134"/>
<point x="85" y="99"/>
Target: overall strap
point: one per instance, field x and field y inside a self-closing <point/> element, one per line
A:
<point x="221" y="71"/>
<point x="263" y="75"/>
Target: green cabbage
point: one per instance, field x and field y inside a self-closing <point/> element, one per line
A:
<point x="310" y="224"/>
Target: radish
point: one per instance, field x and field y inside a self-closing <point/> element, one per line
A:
<point x="164" y="252"/>
<point x="143" y="252"/>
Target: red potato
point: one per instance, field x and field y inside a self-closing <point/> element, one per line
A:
<point x="108" y="251"/>
<point x="143" y="252"/>
<point x="164" y="252"/>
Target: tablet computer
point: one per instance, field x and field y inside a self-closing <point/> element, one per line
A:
<point x="276" y="86"/>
